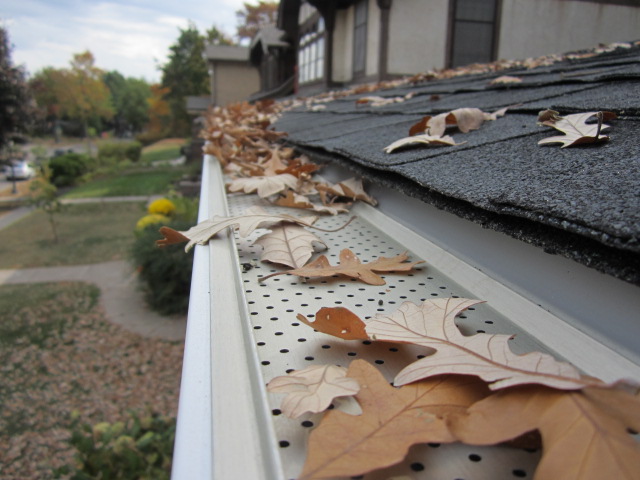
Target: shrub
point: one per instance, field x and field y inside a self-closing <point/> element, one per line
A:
<point x="162" y="206"/>
<point x="133" y="151"/>
<point x="68" y="168"/>
<point x="117" y="152"/>
<point x="141" y="448"/>
<point x="151" y="219"/>
<point x="166" y="272"/>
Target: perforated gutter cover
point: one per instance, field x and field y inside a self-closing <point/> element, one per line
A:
<point x="241" y="333"/>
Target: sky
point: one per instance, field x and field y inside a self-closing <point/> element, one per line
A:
<point x="130" y="36"/>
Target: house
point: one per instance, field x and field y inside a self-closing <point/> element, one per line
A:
<point x="341" y="42"/>
<point x="232" y="77"/>
<point x="548" y="237"/>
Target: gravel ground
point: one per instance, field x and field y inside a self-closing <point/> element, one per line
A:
<point x="58" y="356"/>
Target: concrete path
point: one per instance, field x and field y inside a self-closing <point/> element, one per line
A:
<point x="120" y="296"/>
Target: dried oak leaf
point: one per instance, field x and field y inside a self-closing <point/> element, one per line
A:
<point x="420" y="139"/>
<point x="339" y="322"/>
<point x="245" y="224"/>
<point x="351" y="266"/>
<point x="585" y="434"/>
<point x="505" y="80"/>
<point x="392" y="420"/>
<point x="488" y="356"/>
<point x="265" y="186"/>
<point x="466" y="119"/>
<point x="312" y="389"/>
<point x="575" y="127"/>
<point x="351" y="188"/>
<point x="295" y="200"/>
<point x="288" y="244"/>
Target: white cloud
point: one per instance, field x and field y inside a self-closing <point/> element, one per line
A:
<point x="131" y="36"/>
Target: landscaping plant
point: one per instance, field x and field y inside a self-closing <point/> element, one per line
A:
<point x="141" y="448"/>
<point x="166" y="273"/>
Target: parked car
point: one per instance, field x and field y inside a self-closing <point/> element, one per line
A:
<point x="19" y="170"/>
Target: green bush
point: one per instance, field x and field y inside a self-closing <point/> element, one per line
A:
<point x="117" y="152"/>
<point x="165" y="272"/>
<point x="68" y="168"/>
<point x="141" y="448"/>
<point x="133" y="151"/>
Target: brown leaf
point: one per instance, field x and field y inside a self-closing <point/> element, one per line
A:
<point x="351" y="266"/>
<point x="420" y="139"/>
<point x="584" y="433"/>
<point x="288" y="244"/>
<point x="505" y="80"/>
<point x="575" y="127"/>
<point x="265" y="186"/>
<point x="339" y="322"/>
<point x="351" y="188"/>
<point x="312" y="389"/>
<point x="487" y="356"/>
<point x="294" y="200"/>
<point x="466" y="119"/>
<point x="392" y="420"/>
<point x="245" y="224"/>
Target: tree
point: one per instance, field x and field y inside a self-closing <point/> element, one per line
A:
<point x="44" y="196"/>
<point x="254" y="17"/>
<point x="218" y="37"/>
<point x="159" y="112"/>
<point x="88" y="98"/>
<point x="129" y="99"/>
<point x="185" y="73"/>
<point x="16" y="109"/>
<point x="77" y="94"/>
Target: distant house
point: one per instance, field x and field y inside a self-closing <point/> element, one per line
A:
<point x="232" y="77"/>
<point x="339" y="42"/>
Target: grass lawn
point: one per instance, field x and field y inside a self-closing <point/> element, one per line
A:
<point x="167" y="149"/>
<point x="151" y="181"/>
<point x="88" y="233"/>
<point x="61" y="359"/>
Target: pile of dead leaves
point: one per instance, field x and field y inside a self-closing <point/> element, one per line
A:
<point x="469" y="389"/>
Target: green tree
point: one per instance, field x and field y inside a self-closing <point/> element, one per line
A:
<point x="216" y="36"/>
<point x="16" y="109"/>
<point x="77" y="94"/>
<point x="44" y="196"/>
<point x="129" y="97"/>
<point x="87" y="99"/>
<point x="253" y="17"/>
<point x="185" y="73"/>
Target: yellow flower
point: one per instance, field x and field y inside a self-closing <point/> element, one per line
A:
<point x="151" y="220"/>
<point x="162" y="206"/>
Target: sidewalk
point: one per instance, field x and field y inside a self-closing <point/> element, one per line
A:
<point x="120" y="297"/>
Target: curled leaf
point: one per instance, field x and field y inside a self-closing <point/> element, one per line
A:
<point x="351" y="266"/>
<point x="288" y="244"/>
<point x="575" y="127"/>
<point x="585" y="434"/>
<point x="245" y="224"/>
<point x="312" y="389"/>
<point x="420" y="139"/>
<point x="339" y="322"/>
<point x="392" y="420"/>
<point x="487" y="356"/>
<point x="265" y="186"/>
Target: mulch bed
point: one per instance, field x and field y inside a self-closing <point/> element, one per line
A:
<point x="60" y="357"/>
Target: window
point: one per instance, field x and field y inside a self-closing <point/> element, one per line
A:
<point x="473" y="31"/>
<point x="360" y="38"/>
<point x="311" y="49"/>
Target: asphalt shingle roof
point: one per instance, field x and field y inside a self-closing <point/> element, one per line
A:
<point x="581" y="202"/>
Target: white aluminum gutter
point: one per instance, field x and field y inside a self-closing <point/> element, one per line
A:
<point x="241" y="333"/>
